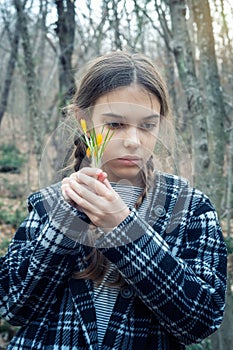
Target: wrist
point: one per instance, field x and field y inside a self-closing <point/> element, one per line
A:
<point x="119" y="219"/>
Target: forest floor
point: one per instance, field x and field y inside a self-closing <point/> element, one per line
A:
<point x="14" y="189"/>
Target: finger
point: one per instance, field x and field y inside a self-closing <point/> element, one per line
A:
<point x="107" y="184"/>
<point x="65" y="194"/>
<point x="94" y="172"/>
<point x="94" y="185"/>
<point x="84" y="191"/>
<point x="85" y="178"/>
<point x="80" y="202"/>
<point x="95" y="193"/>
<point x="65" y="180"/>
<point x="102" y="176"/>
<point x="92" y="198"/>
<point x="64" y="186"/>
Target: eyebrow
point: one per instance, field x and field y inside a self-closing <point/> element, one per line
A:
<point x="113" y="115"/>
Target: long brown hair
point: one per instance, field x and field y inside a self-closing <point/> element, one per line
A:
<point x="102" y="75"/>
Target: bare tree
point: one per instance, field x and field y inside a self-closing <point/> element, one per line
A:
<point x="216" y="117"/>
<point x="182" y="49"/>
<point x="10" y="68"/>
<point x="65" y="31"/>
<point x="215" y="111"/>
<point x="116" y="25"/>
<point x="33" y="92"/>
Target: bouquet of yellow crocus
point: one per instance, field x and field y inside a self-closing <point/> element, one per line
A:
<point x="95" y="143"/>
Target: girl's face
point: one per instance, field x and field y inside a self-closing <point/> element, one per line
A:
<point x="133" y="115"/>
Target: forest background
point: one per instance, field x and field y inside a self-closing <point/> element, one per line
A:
<point x="43" y="43"/>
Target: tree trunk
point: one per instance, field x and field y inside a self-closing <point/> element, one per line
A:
<point x="215" y="115"/>
<point x="33" y="92"/>
<point x="66" y="32"/>
<point x="116" y="25"/>
<point x="182" y="50"/>
<point x="223" y="339"/>
<point x="229" y="182"/>
<point x="9" y="71"/>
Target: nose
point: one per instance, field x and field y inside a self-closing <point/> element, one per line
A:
<point x="131" y="138"/>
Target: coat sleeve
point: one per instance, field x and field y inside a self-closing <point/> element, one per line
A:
<point x="180" y="276"/>
<point x="40" y="259"/>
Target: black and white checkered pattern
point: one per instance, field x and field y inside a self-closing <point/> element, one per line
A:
<point x="174" y="261"/>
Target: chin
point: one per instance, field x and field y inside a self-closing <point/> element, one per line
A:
<point x="132" y="176"/>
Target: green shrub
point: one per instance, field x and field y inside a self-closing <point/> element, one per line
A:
<point x="11" y="159"/>
<point x="14" y="218"/>
<point x="15" y="190"/>
<point x="204" y="345"/>
<point x="229" y="244"/>
<point x="7" y="331"/>
<point x="3" y="246"/>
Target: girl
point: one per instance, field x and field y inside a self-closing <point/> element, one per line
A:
<point x="120" y="256"/>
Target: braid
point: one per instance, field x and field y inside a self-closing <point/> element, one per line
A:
<point x="80" y="153"/>
<point x="147" y="179"/>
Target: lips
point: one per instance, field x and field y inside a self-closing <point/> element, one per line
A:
<point x="130" y="160"/>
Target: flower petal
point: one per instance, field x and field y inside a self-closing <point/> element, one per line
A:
<point x="83" y="125"/>
<point x="88" y="152"/>
<point x="99" y="139"/>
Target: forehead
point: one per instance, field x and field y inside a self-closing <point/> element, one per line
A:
<point x="131" y="101"/>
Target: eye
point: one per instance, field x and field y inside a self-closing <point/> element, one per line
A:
<point x="114" y="125"/>
<point x="148" y="126"/>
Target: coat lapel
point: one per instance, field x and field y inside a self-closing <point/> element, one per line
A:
<point x="83" y="298"/>
<point x="118" y="318"/>
<point x="82" y="294"/>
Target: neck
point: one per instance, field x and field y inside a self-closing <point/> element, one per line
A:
<point x="137" y="181"/>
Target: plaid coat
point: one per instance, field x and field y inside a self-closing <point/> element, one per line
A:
<point x="175" y="270"/>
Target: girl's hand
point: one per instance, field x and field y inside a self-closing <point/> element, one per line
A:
<point x="89" y="190"/>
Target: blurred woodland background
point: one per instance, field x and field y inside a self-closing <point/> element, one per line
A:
<point x="43" y="43"/>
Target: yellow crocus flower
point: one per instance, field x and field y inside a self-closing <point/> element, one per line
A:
<point x="88" y="152"/>
<point x="95" y="143"/>
<point x="99" y="139"/>
<point x="83" y="125"/>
